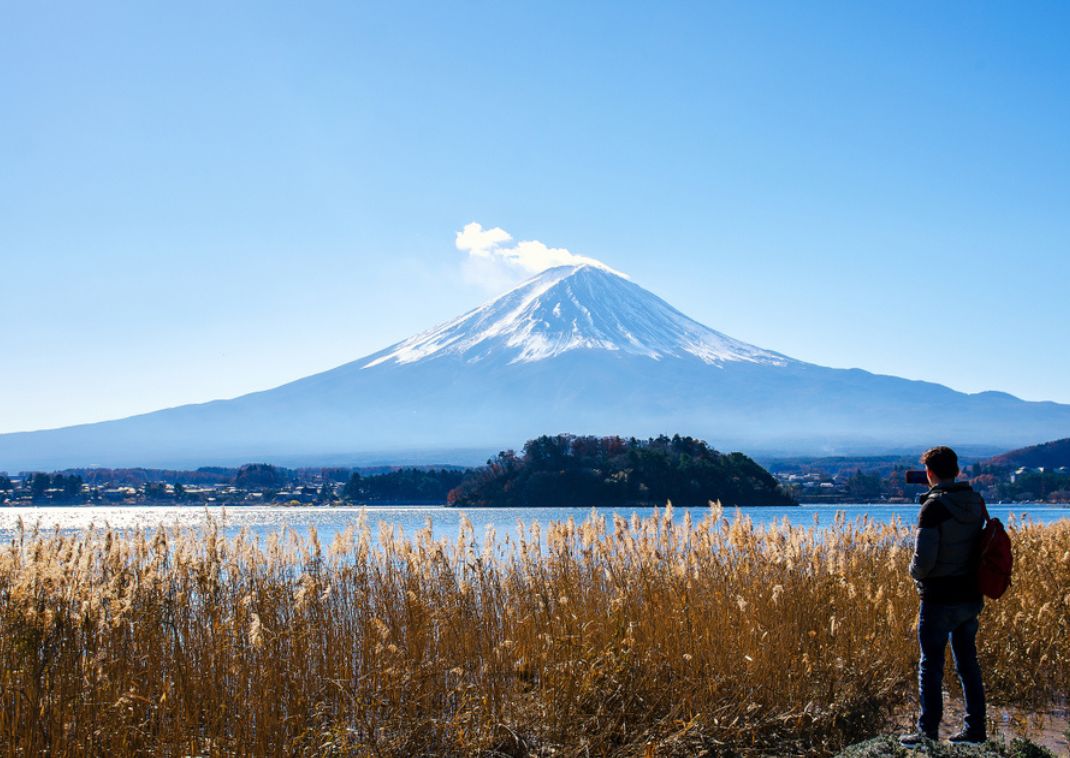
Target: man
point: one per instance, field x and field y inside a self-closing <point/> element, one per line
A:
<point x="944" y="568"/>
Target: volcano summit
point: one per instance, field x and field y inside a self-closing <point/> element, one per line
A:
<point x="574" y="308"/>
<point x="574" y="349"/>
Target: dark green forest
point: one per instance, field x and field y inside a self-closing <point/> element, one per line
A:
<point x="407" y="485"/>
<point x="566" y="470"/>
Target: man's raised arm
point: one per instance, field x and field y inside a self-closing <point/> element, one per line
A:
<point x="927" y="538"/>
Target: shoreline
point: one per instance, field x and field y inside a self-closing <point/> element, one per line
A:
<point x="424" y="504"/>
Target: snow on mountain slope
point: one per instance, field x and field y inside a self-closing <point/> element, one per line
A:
<point x="569" y="308"/>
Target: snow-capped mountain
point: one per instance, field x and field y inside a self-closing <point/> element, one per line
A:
<point x="574" y="349"/>
<point x="575" y="308"/>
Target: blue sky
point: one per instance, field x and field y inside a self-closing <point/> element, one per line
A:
<point x="198" y="200"/>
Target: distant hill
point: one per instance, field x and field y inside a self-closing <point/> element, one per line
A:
<point x="1049" y="455"/>
<point x="836" y="465"/>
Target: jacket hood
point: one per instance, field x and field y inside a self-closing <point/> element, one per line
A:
<point x="960" y="499"/>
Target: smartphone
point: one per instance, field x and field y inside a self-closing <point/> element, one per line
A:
<point x="917" y="477"/>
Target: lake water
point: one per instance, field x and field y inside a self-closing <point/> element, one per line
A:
<point x="265" y="520"/>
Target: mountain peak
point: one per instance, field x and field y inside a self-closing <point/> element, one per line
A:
<point x="587" y="266"/>
<point x="576" y="307"/>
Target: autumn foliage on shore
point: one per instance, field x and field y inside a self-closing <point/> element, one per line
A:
<point x="600" y="637"/>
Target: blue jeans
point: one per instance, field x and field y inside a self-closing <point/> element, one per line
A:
<point x="935" y="624"/>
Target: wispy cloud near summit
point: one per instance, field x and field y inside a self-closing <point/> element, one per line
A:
<point x="495" y="263"/>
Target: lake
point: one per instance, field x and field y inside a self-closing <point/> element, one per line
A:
<point x="265" y="520"/>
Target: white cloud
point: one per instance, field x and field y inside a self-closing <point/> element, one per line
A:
<point x="494" y="264"/>
<point x="481" y="242"/>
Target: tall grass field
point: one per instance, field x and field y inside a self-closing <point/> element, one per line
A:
<point x="601" y="637"/>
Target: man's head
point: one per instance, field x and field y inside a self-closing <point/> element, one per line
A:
<point x="941" y="464"/>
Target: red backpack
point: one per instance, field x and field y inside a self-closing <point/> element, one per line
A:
<point x="994" y="558"/>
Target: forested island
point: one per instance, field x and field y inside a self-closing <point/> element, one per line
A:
<point x="565" y="470"/>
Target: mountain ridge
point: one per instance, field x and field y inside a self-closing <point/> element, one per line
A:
<point x="574" y="349"/>
<point x="1045" y="454"/>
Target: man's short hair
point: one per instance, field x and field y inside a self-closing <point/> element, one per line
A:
<point x="942" y="461"/>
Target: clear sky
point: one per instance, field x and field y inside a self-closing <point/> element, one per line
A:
<point x="199" y="200"/>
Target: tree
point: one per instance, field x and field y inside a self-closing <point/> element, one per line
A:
<point x="862" y="485"/>
<point x="155" y="491"/>
<point x="39" y="486"/>
<point x="72" y="488"/>
<point x="354" y="489"/>
<point x="260" y="475"/>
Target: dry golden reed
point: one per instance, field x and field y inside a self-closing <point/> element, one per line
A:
<point x="606" y="637"/>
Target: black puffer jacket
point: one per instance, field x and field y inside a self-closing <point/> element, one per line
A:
<point x="945" y="549"/>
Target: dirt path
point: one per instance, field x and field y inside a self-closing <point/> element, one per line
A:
<point x="1045" y="728"/>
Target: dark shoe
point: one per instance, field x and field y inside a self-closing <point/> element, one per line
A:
<point x="967" y="738"/>
<point x="917" y="739"/>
